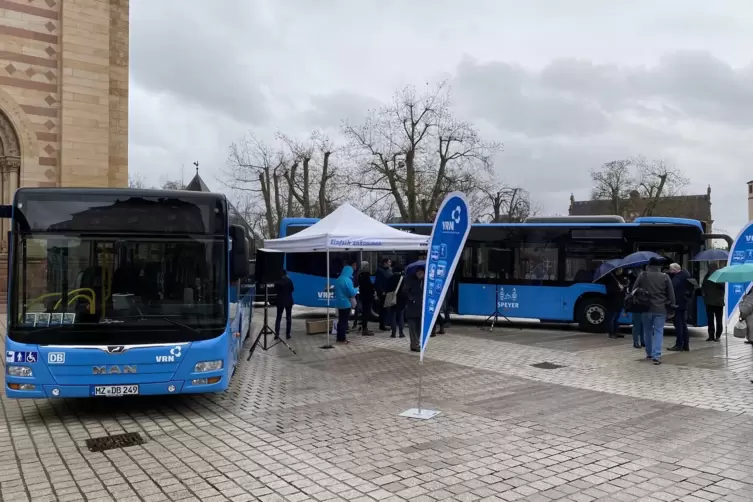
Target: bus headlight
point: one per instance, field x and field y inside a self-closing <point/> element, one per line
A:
<point x="205" y="366"/>
<point x="20" y="371"/>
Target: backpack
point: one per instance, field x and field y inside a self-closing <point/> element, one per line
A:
<point x="637" y="301"/>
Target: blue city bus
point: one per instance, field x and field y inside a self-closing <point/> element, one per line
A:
<point x="121" y="292"/>
<point x="540" y="269"/>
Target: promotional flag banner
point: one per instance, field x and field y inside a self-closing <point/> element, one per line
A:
<point x="448" y="236"/>
<point x="741" y="252"/>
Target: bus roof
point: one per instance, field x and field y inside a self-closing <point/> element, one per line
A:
<point x="575" y="223"/>
<point x="135" y="192"/>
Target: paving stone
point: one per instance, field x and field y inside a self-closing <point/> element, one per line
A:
<point x="324" y="425"/>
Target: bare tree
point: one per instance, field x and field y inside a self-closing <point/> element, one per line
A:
<point x="136" y="181"/>
<point x="173" y="185"/>
<point x="658" y="179"/>
<point x="613" y="181"/>
<point x="310" y="173"/>
<point x="651" y="181"/>
<point x="504" y="203"/>
<point x="259" y="169"/>
<point x="415" y="151"/>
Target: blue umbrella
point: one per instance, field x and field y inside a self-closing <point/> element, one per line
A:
<point x="412" y="267"/>
<point x="712" y="255"/>
<point x="640" y="258"/>
<point x="606" y="268"/>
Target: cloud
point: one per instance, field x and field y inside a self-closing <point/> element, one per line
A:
<point x="565" y="88"/>
<point x="572" y="115"/>
<point x="187" y="51"/>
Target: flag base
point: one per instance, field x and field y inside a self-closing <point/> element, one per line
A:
<point x="420" y="414"/>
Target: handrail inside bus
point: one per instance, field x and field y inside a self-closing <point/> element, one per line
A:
<point x="77" y="293"/>
<point x="92" y="304"/>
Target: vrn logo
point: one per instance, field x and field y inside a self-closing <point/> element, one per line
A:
<point x="323" y="295"/>
<point x="450" y="225"/>
<point x="749" y="238"/>
<point x="175" y="353"/>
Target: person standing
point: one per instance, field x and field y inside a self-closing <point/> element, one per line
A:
<point x="345" y="299"/>
<point x="683" y="292"/>
<point x="284" y="302"/>
<point x="383" y="273"/>
<point x="366" y="296"/>
<point x="396" y="313"/>
<point x="661" y="295"/>
<point x="637" y="328"/>
<point x="745" y="308"/>
<point x="615" y="300"/>
<point x="414" y="306"/>
<point x="713" y="299"/>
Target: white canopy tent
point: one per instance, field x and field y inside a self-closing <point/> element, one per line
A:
<point x="346" y="229"/>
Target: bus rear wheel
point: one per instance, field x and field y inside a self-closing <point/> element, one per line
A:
<point x="592" y="315"/>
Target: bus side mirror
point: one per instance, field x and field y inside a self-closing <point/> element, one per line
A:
<point x="240" y="254"/>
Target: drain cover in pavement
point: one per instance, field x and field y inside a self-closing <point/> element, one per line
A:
<point x="547" y="366"/>
<point x="113" y="442"/>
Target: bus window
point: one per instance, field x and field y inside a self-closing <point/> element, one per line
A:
<point x="583" y="258"/>
<point x="536" y="262"/>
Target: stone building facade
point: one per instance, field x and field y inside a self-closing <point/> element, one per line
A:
<point x="63" y="96"/>
<point x="695" y="207"/>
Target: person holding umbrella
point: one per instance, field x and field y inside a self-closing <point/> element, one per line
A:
<point x="609" y="273"/>
<point x="637" y="329"/>
<point x="713" y="298"/>
<point x="615" y="298"/>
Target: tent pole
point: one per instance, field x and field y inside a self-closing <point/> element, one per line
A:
<point x="329" y="329"/>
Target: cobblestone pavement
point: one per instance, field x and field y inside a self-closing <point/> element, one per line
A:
<point x="324" y="425"/>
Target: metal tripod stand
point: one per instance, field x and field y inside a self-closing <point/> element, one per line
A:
<point x="266" y="330"/>
<point x="494" y="316"/>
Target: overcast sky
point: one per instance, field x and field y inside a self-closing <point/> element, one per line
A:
<point x="565" y="86"/>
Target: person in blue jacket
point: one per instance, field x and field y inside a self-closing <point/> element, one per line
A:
<point x="345" y="298"/>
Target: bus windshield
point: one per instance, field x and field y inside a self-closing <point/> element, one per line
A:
<point x="107" y="290"/>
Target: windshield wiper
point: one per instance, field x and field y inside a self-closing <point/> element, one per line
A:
<point x="181" y="325"/>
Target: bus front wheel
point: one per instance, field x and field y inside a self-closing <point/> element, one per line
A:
<point x="592" y="314"/>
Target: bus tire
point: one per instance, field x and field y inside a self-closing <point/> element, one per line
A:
<point x="592" y="314"/>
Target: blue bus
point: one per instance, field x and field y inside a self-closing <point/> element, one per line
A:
<point x="540" y="269"/>
<point x="121" y="292"/>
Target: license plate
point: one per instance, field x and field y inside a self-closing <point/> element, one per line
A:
<point x="116" y="390"/>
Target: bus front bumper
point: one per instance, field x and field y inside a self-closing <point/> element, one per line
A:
<point x="53" y="391"/>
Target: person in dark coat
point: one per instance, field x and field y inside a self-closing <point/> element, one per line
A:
<point x="713" y="298"/>
<point x="284" y="302"/>
<point x="637" y="329"/>
<point x="414" y="296"/>
<point x="683" y="292"/>
<point x="396" y="313"/>
<point x="382" y="275"/>
<point x="366" y="295"/>
<point x="615" y="285"/>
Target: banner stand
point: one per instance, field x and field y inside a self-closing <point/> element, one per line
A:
<point x="420" y="413"/>
<point x="329" y="297"/>
<point x="452" y="224"/>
